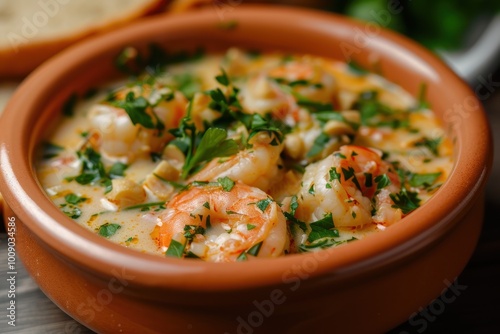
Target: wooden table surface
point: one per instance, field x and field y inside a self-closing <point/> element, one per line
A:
<point x="476" y="310"/>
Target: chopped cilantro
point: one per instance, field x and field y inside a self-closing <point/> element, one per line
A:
<point x="117" y="170"/>
<point x="422" y="103"/>
<point x="242" y="257"/>
<point x="311" y="190"/>
<point x="51" y="150"/>
<point x="423" y="180"/>
<point x="191" y="230"/>
<point x="187" y="84"/>
<point x="368" y="180"/>
<point x="357" y="69"/>
<point x="206" y="205"/>
<point x="145" y="206"/>
<point x="72" y="212"/>
<point x="223" y="78"/>
<point x="172" y="183"/>
<point x="318" y="145"/>
<point x="107" y="230"/>
<point x="323" y="228"/>
<point x="212" y="145"/>
<point x="155" y="156"/>
<point x="137" y="109"/>
<point x="372" y="110"/>
<point x="290" y="216"/>
<point x="323" y="243"/>
<point x="431" y="144"/>
<point x="382" y="181"/>
<point x="92" y="171"/>
<point x="68" y="107"/>
<point x="405" y="200"/>
<point x="263" y="204"/>
<point x="333" y="174"/>
<point x="313" y="106"/>
<point x="175" y="249"/>
<point x="255" y="249"/>
<point x="74" y="199"/>
<point x="250" y="227"/>
<point x="226" y="183"/>
<point x="350" y="173"/>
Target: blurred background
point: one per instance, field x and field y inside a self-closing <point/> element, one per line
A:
<point x="466" y="34"/>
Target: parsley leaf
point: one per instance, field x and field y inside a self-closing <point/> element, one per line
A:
<point x="423" y="180"/>
<point x="107" y="230"/>
<point x="255" y="249"/>
<point x="175" y="249"/>
<point x="263" y="204"/>
<point x="137" y="108"/>
<point x="117" y="170"/>
<point x="405" y="200"/>
<point x="318" y="145"/>
<point x="290" y="216"/>
<point x="226" y="183"/>
<point x="213" y="144"/>
<point x="431" y="144"/>
<point x="223" y="78"/>
<point x="68" y="107"/>
<point x="74" y="199"/>
<point x="92" y="171"/>
<point x="191" y="230"/>
<point x="51" y="150"/>
<point x="382" y="181"/>
<point x="357" y="69"/>
<point x="323" y="228"/>
<point x="72" y="212"/>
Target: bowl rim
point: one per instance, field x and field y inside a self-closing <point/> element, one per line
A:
<point x="59" y="233"/>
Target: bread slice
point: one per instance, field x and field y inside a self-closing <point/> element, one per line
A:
<point x="33" y="30"/>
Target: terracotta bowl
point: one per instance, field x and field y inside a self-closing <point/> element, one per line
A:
<point x="370" y="285"/>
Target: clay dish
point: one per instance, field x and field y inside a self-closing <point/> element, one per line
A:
<point x="369" y="285"/>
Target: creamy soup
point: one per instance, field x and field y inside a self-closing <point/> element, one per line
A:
<point x="242" y="155"/>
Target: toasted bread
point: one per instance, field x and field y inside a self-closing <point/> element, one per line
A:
<point x="31" y="31"/>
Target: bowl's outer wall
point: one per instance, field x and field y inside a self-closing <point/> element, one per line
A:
<point x="371" y="273"/>
<point x="299" y="304"/>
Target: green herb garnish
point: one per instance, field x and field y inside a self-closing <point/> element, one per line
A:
<point x="107" y="230"/>
<point x="74" y="199"/>
<point x="175" y="249"/>
<point x="226" y="183"/>
<point x="263" y="204"/>
<point x="51" y="150"/>
<point x="323" y="228"/>
<point x="68" y="107"/>
<point x="405" y="200"/>
<point x="423" y="180"/>
<point x="213" y="144"/>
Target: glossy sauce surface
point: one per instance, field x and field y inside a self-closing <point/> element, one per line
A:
<point x="322" y="152"/>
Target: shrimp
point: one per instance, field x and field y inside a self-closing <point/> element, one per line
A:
<point x="308" y="79"/>
<point x="117" y="138"/>
<point x="345" y="184"/>
<point x="259" y="166"/>
<point x="221" y="225"/>
<point x="277" y="90"/>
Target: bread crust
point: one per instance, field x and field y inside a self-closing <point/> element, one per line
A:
<point x="15" y="63"/>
